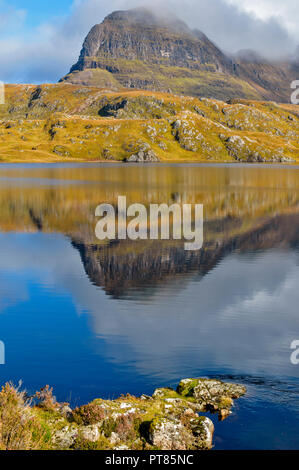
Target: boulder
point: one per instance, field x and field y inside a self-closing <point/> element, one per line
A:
<point x="66" y="437"/>
<point x="162" y="392"/>
<point x="191" y="432"/>
<point x="143" y="156"/>
<point x="66" y="412"/>
<point x="210" y="394"/>
<point x="90" y="433"/>
<point x="168" y="434"/>
<point x="203" y="430"/>
<point x="114" y="439"/>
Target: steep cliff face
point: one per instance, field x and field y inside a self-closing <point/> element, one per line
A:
<point x="140" y="49"/>
<point x="139" y="35"/>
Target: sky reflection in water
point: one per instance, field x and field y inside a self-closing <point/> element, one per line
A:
<point x="234" y="319"/>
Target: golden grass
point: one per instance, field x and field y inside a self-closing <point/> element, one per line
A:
<point x="64" y="122"/>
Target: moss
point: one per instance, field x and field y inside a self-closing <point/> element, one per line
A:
<point x="186" y="387"/>
<point x="83" y="444"/>
<point x="156" y="423"/>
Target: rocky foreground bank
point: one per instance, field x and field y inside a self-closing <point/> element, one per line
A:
<point x="167" y="420"/>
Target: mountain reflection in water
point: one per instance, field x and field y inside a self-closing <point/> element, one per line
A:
<point x="97" y="320"/>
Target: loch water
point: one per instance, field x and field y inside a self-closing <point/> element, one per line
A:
<point x="103" y="319"/>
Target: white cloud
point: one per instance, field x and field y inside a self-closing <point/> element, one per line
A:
<point x="286" y="12"/>
<point x="246" y="328"/>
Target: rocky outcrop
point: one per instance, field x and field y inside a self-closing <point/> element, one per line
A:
<point x="168" y="420"/>
<point x="250" y="151"/>
<point x="147" y="156"/>
<point x="142" y="35"/>
<point x="66" y="437"/>
<point x="207" y="394"/>
<point x="169" y="434"/>
<point x="212" y="395"/>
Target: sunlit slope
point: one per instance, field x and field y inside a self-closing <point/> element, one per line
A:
<point x="72" y="122"/>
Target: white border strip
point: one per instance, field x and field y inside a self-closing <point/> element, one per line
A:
<point x="2" y="93"/>
<point x="2" y="353"/>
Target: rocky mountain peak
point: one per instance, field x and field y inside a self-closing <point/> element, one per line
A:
<point x="143" y="35"/>
<point x="154" y="50"/>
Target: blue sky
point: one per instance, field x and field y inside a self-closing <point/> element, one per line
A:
<point x="41" y="11"/>
<point x="41" y="40"/>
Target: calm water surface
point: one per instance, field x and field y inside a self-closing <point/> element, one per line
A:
<point x="97" y="320"/>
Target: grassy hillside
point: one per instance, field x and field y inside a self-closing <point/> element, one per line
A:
<point x="165" y="78"/>
<point x="72" y="122"/>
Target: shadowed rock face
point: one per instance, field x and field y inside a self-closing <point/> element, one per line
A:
<point x="155" y="51"/>
<point x="125" y="271"/>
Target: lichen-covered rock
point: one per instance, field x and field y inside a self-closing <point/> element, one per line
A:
<point x="248" y="150"/>
<point x="66" y="411"/>
<point x="162" y="392"/>
<point x="203" y="430"/>
<point x="185" y="433"/>
<point x="142" y="156"/>
<point x="186" y="387"/>
<point x="210" y="394"/>
<point x="207" y="389"/>
<point x="170" y="435"/>
<point x="186" y="133"/>
<point x="114" y="439"/>
<point x="90" y="433"/>
<point x="66" y="437"/>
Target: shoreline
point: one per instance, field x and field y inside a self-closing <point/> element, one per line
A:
<point x="168" y="420"/>
<point x="146" y="164"/>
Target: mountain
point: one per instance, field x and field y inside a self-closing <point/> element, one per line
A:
<point x="141" y="49"/>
